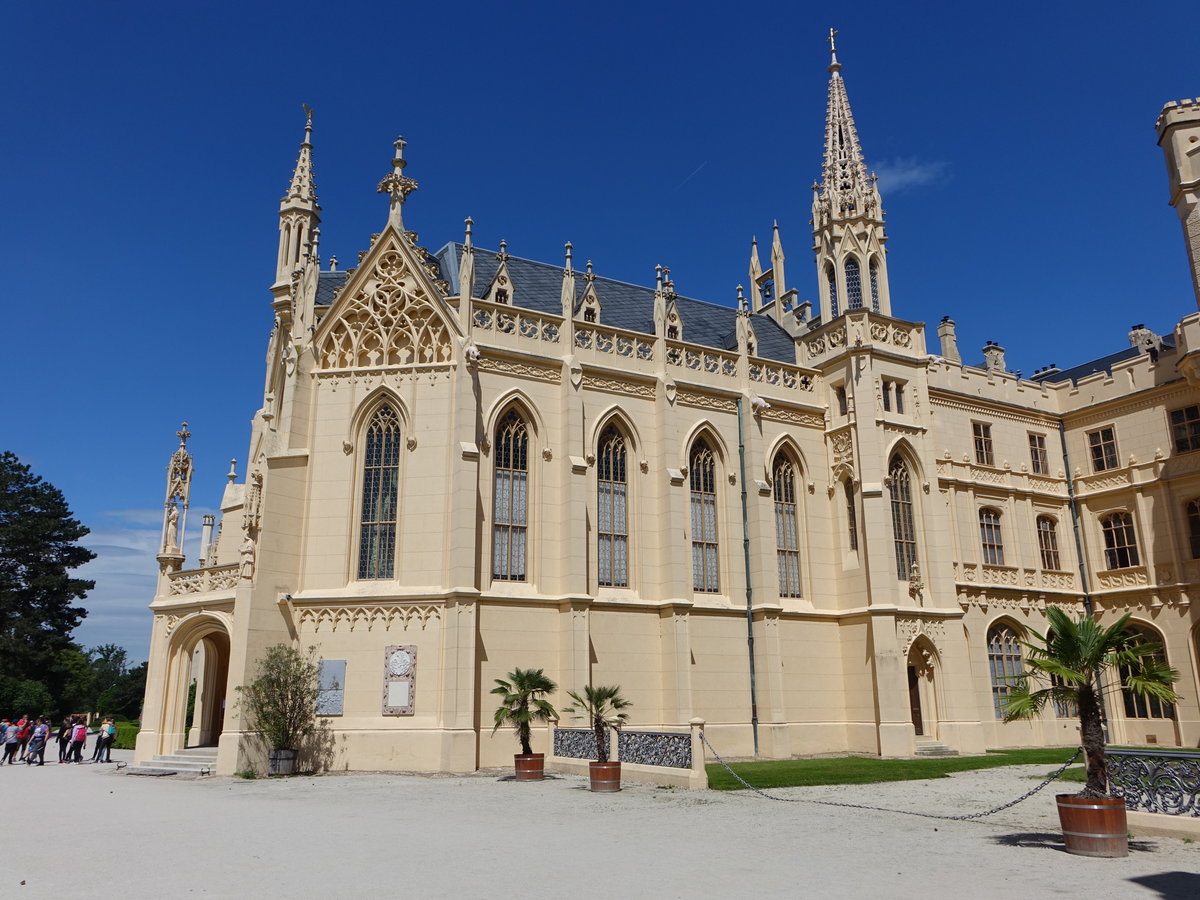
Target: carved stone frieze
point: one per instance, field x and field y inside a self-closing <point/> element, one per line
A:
<point x="619" y="386"/>
<point x="794" y="417"/>
<point x="366" y="617"/>
<point x="521" y="369"/>
<point x="706" y="401"/>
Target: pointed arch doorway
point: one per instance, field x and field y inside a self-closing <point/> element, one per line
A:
<point x="922" y="688"/>
<point x="199" y="656"/>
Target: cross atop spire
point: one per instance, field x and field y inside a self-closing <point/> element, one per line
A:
<point x="304" y="186"/>
<point x="834" y="65"/>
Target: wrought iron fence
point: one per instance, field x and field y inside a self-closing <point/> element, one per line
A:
<point x="577" y="743"/>
<point x="656" y="748"/>
<point x="1157" y="781"/>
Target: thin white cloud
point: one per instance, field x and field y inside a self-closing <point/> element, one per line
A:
<point x="904" y="173"/>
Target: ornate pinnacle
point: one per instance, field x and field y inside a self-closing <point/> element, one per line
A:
<point x="183" y="434"/>
<point x="503" y="254"/>
<point x="567" y="268"/>
<point x="590" y="275"/>
<point x="834" y="65"/>
<point x="396" y="183"/>
<point x="468" y="222"/>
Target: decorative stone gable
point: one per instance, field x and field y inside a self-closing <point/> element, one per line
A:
<point x="388" y="317"/>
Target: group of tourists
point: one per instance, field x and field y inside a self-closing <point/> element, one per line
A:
<point x="25" y="740"/>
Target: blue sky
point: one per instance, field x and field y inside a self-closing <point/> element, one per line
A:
<point x="145" y="148"/>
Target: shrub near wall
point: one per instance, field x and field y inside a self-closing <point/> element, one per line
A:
<point x="127" y="733"/>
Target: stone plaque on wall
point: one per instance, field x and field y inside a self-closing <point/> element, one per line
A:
<point x="331" y="687"/>
<point x="399" y="679"/>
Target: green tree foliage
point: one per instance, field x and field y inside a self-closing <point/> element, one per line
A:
<point x="280" y="704"/>
<point x="522" y="702"/>
<point x="38" y="550"/>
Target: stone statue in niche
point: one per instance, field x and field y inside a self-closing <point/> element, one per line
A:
<point x="247" y="554"/>
<point x="172" y="538"/>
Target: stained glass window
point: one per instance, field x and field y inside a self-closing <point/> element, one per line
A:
<point x="874" y="285"/>
<point x="510" y="525"/>
<point x="903" y="527"/>
<point x="787" y="527"/>
<point x="612" y="552"/>
<point x="831" y="278"/>
<point x="380" y="487"/>
<point x="853" y="284"/>
<point x="1004" y="664"/>
<point x="703" y="474"/>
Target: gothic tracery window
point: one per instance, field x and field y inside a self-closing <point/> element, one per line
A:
<point x="612" y="529"/>
<point x="874" y="270"/>
<point x="703" y="475"/>
<point x="904" y="530"/>
<point x="787" y="527"/>
<point x="380" y="488"/>
<point x="510" y="524"/>
<point x="1004" y="664"/>
<point x="851" y="515"/>
<point x="853" y="284"/>
<point x="831" y="279"/>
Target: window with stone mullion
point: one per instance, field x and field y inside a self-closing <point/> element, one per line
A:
<point x="1048" y="543"/>
<point x="903" y="525"/>
<point x="380" y="491"/>
<point x="1005" y="666"/>
<point x="1120" y="541"/>
<point x="991" y="538"/>
<point x="705" y="570"/>
<point x="510" y="523"/>
<point x="787" y="530"/>
<point x="612" y="507"/>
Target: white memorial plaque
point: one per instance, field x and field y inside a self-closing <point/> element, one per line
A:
<point x="398" y="693"/>
<point x="399" y="679"/>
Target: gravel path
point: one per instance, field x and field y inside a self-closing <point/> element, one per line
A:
<point x="478" y="836"/>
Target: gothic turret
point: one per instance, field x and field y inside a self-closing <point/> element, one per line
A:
<point x="299" y="215"/>
<point x="847" y="221"/>
<point x="1178" y="133"/>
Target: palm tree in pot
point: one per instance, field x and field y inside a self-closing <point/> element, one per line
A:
<point x="523" y="704"/>
<point x="1071" y="661"/>
<point x="601" y="705"/>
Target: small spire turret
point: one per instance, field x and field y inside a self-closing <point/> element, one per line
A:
<point x="397" y="185"/>
<point x="299" y="214"/>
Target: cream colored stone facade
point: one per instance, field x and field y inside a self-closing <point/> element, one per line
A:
<point x="856" y="648"/>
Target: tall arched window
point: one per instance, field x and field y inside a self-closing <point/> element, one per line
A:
<point x="1120" y="541"/>
<point x="1136" y="705"/>
<point x="510" y="523"/>
<point x="787" y="527"/>
<point x="903" y="526"/>
<point x="831" y="279"/>
<point x="1004" y="664"/>
<point x="851" y="515"/>
<point x="874" y="269"/>
<point x="853" y="284"/>
<point x="1193" y="517"/>
<point x="991" y="537"/>
<point x="612" y="551"/>
<point x="380" y="487"/>
<point x="703" y="474"/>
<point x="1047" y="532"/>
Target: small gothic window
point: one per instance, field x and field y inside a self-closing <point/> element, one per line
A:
<point x="1139" y="706"/>
<point x="991" y="538"/>
<point x="853" y="284"/>
<point x="900" y="397"/>
<point x="904" y="530"/>
<point x="843" y="405"/>
<point x="589" y="314"/>
<point x="703" y="475"/>
<point x="612" y="511"/>
<point x="1038" y="463"/>
<point x="1004" y="664"/>
<point x="501" y="296"/>
<point x="874" y="285"/>
<point x="851" y="515"/>
<point x="510" y="524"/>
<point x="380" y="487"/>
<point x="831" y="280"/>
<point x="1120" y="541"/>
<point x="673" y="332"/>
<point x="787" y="527"/>
<point x="1047" y="532"/>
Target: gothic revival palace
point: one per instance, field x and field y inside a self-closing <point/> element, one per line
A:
<point x="467" y="462"/>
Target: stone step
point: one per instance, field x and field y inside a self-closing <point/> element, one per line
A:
<point x="196" y="762"/>
<point x="933" y="748"/>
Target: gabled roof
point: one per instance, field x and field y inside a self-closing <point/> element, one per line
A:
<point x="1104" y="363"/>
<point x="538" y="286"/>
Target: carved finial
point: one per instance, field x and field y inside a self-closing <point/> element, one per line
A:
<point x="589" y="276"/>
<point x="567" y="266"/>
<point x="834" y="65"/>
<point x="308" y="123"/>
<point x="658" y="278"/>
<point x="741" y="300"/>
<point x="399" y="143"/>
<point x="183" y="434"/>
<point x="467" y="222"/>
<point x="232" y="474"/>
<point x="396" y="184"/>
<point x="333" y="264"/>
<point x="503" y="254"/>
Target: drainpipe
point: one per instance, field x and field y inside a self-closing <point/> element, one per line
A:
<point x="749" y="586"/>
<point x="1083" y="575"/>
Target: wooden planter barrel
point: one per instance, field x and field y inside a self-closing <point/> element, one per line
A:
<point x="281" y="762"/>
<point x="530" y="766"/>
<point x="1094" y="826"/>
<point x="606" y="776"/>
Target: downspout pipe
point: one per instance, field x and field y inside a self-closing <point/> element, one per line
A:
<point x="749" y="580"/>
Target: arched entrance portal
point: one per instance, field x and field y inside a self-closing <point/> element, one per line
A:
<point x="199" y="656"/>
<point x="922" y="688"/>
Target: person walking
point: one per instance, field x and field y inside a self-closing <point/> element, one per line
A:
<point x="11" y="743"/>
<point x="64" y="740"/>
<point x="78" y="738"/>
<point x="110" y="738"/>
<point x="24" y="733"/>
<point x="36" y="753"/>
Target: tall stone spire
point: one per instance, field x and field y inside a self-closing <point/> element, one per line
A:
<point x="299" y="214"/>
<point x="848" y="234"/>
<point x="1178" y="135"/>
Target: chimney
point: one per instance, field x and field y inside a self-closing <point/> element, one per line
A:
<point x="993" y="357"/>
<point x="1046" y="373"/>
<point x="1146" y="341"/>
<point x="206" y="529"/>
<point x="949" y="340"/>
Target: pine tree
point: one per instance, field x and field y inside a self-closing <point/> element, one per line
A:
<point x="38" y="550"/>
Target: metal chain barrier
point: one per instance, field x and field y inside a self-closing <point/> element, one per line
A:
<point x="907" y="812"/>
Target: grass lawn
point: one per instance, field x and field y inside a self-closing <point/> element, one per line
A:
<point x="867" y="770"/>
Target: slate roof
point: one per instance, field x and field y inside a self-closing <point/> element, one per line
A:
<point x="1104" y="363"/>
<point x="327" y="282"/>
<point x="538" y="286"/>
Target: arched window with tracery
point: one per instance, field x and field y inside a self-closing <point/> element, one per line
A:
<point x="1004" y="664"/>
<point x="853" y="284"/>
<point x="703" y="475"/>
<point x="1139" y="706"/>
<point x="787" y="527"/>
<point x="904" y="531"/>
<point x="1047" y="533"/>
<point x="874" y="270"/>
<point x="1120" y="541"/>
<point x="1193" y="518"/>
<point x="380" y="490"/>
<point x="510" y="523"/>
<point x="991" y="537"/>
<point x="612" y="508"/>
<point x="831" y="280"/>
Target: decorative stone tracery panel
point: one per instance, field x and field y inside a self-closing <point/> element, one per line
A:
<point x="368" y="618"/>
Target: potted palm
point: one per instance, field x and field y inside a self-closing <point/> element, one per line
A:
<point x="600" y="706"/>
<point x="1070" y="661"/>
<point x="280" y="704"/>
<point x="523" y="703"/>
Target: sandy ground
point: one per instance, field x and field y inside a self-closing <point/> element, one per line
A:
<point x="483" y="836"/>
